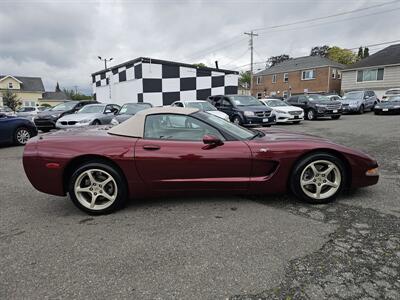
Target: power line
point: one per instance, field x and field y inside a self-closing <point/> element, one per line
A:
<point x="326" y="17"/>
<point x="373" y="45"/>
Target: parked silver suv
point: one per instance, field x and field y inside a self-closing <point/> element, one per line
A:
<point x="358" y="101"/>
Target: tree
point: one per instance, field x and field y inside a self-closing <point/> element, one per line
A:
<point x="75" y="96"/>
<point x="342" y="56"/>
<point x="274" y="60"/>
<point x="244" y="78"/>
<point x="58" y="88"/>
<point x="320" y="51"/>
<point x="366" y="52"/>
<point x="360" y="53"/>
<point x="11" y="100"/>
<point x="200" y="65"/>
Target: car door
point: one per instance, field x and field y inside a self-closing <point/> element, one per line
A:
<point x="172" y="156"/>
<point x="293" y="101"/>
<point x="227" y="107"/>
<point x="6" y="129"/>
<point x="302" y="102"/>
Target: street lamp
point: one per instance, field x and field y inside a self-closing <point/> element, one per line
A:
<point x="105" y="61"/>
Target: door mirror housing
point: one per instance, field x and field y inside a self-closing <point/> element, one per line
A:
<point x="212" y="140"/>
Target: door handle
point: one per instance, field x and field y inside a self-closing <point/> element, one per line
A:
<point x="151" y="147"/>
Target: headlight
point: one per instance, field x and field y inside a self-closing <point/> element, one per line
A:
<point x="280" y="111"/>
<point x="377" y="106"/>
<point x="396" y="106"/>
<point x="55" y="115"/>
<point x="85" y="121"/>
<point x="249" y="113"/>
<point x="114" y="121"/>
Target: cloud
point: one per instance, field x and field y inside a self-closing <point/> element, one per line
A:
<point x="60" y="40"/>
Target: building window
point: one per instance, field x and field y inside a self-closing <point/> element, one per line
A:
<point x="285" y="94"/>
<point x="10" y="85"/>
<point x="272" y="93"/>
<point x="308" y="74"/>
<point x="285" y="77"/>
<point x="259" y="95"/>
<point x="259" y="80"/>
<point x="370" y="75"/>
<point x="339" y="74"/>
<point x="274" y="78"/>
<point x="29" y="103"/>
<point x="334" y="73"/>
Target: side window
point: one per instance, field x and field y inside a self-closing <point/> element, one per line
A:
<point x="293" y="99"/>
<point x="178" y="104"/>
<point x="177" y="127"/>
<point x="78" y="106"/>
<point x="226" y="102"/>
<point x="302" y="99"/>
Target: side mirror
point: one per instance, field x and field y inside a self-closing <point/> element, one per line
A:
<point x="212" y="140"/>
<point x="108" y="111"/>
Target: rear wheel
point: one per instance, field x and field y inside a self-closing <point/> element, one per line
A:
<point x="335" y="117"/>
<point x="318" y="178"/>
<point x="97" y="188"/>
<point x="96" y="122"/>
<point x="21" y="136"/>
<point x="296" y="122"/>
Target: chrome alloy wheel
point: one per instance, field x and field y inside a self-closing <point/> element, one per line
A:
<point x="95" y="189"/>
<point x="320" y="179"/>
<point x="310" y="115"/>
<point x="23" y="136"/>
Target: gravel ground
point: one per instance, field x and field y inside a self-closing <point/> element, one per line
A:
<point x="210" y="248"/>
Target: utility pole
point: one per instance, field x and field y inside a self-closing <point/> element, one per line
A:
<point x="76" y="89"/>
<point x="105" y="61"/>
<point x="251" y="34"/>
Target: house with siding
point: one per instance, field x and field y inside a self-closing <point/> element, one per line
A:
<point x="378" y="72"/>
<point x="308" y="74"/>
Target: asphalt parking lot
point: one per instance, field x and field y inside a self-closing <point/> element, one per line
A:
<point x="210" y="248"/>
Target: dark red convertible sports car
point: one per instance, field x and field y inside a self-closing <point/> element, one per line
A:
<point x="172" y="150"/>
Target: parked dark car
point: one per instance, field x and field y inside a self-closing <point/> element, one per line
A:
<point x="7" y="111"/>
<point x="316" y="106"/>
<point x="359" y="101"/>
<point x="46" y="120"/>
<point x="244" y="110"/>
<point x="391" y="106"/>
<point x="16" y="130"/>
<point x="128" y="110"/>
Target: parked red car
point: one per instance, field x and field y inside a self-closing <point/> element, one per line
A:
<point x="182" y="150"/>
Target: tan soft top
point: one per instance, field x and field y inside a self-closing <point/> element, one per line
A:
<point x="134" y="127"/>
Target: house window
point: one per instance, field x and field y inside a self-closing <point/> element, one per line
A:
<point x="285" y="94"/>
<point x="272" y="93"/>
<point x="285" y="77"/>
<point x="29" y="103"/>
<point x="259" y="80"/>
<point x="10" y="85"/>
<point x="308" y="74"/>
<point x="274" y="78"/>
<point x="339" y="74"/>
<point x="334" y="73"/>
<point x="259" y="95"/>
<point x="370" y="75"/>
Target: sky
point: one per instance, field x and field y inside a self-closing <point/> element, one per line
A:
<point x="60" y="41"/>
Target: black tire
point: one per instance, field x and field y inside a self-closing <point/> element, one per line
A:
<point x="45" y="130"/>
<point x="296" y="122"/>
<point x="21" y="136"/>
<point x="376" y="112"/>
<point x="237" y="120"/>
<point x="361" y="110"/>
<point x="373" y="107"/>
<point x="311" y="115"/>
<point x="96" y="122"/>
<point x="295" y="185"/>
<point x="119" y="179"/>
<point x="335" y="117"/>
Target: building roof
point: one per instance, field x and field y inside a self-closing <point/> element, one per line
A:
<point x="162" y="62"/>
<point x="300" y="63"/>
<point x="55" y="96"/>
<point x="388" y="56"/>
<point x="134" y="126"/>
<point x="31" y="84"/>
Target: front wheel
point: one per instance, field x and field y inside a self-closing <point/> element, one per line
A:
<point x="296" y="122"/>
<point x="237" y="120"/>
<point x="311" y="115"/>
<point x="96" y="122"/>
<point x="318" y="178"/>
<point x="335" y="117"/>
<point x="97" y="188"/>
<point x="21" y="136"/>
<point x="361" y="110"/>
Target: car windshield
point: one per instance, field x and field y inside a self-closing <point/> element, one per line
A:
<point x="245" y="101"/>
<point x="276" y="103"/>
<point x="65" y="106"/>
<point x="394" y="98"/>
<point x="234" y="130"/>
<point x="393" y="92"/>
<point x="316" y="97"/>
<point x="92" y="109"/>
<point x="353" y="96"/>
<point x="133" y="108"/>
<point x="202" y="105"/>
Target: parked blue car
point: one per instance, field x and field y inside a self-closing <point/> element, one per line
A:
<point x="16" y="130"/>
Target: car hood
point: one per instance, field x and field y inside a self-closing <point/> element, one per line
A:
<point x="326" y="102"/>
<point x="218" y="113"/>
<point x="49" y="113"/>
<point x="274" y="134"/>
<point x="348" y="101"/>
<point x="287" y="108"/>
<point x="79" y="117"/>
<point x="388" y="104"/>
<point x="254" y="108"/>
